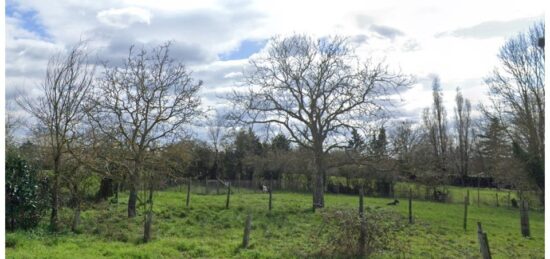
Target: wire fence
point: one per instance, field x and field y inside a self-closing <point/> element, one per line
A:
<point x="400" y="190"/>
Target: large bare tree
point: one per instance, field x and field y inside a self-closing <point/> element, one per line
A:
<point x="315" y="90"/>
<point x="59" y="110"/>
<point x="140" y="104"/>
<point x="516" y="91"/>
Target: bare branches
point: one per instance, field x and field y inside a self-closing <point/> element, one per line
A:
<point x="67" y="83"/>
<point x="147" y="99"/>
<point x="516" y="89"/>
<point x="314" y="89"/>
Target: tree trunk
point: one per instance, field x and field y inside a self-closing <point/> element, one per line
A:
<point x="228" y="195"/>
<point x="524" y="218"/>
<point x="76" y="217"/>
<point x="55" y="199"/>
<point x="105" y="189"/>
<point x="318" y="186"/>
<point x="132" y="200"/>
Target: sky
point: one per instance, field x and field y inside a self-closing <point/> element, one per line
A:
<point x="455" y="40"/>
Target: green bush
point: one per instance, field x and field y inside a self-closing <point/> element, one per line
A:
<point x="25" y="199"/>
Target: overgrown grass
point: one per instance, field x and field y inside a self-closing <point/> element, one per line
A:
<point x="208" y="230"/>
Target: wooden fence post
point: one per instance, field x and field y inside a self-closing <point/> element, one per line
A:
<point x="410" y="206"/>
<point x="478" y="191"/>
<point x="361" y="205"/>
<point x="483" y="242"/>
<point x="228" y="194"/>
<point x="270" y="193"/>
<point x="478" y="196"/>
<point x="247" y="228"/>
<point x="147" y="227"/>
<point x="466" y="203"/>
<point x="524" y="215"/>
<point x="206" y="185"/>
<point x="496" y="195"/>
<point x="363" y="230"/>
<point x="188" y="193"/>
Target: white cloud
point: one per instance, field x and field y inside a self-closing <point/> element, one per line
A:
<point x="420" y="37"/>
<point x="124" y="17"/>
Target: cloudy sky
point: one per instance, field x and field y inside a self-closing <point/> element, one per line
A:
<point x="456" y="40"/>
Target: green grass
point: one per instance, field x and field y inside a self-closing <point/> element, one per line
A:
<point x="208" y="230"/>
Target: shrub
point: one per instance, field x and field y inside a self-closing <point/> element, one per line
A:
<point x="25" y="200"/>
<point x="339" y="233"/>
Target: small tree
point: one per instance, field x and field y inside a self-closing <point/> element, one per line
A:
<point x="139" y="104"/>
<point x="60" y="109"/>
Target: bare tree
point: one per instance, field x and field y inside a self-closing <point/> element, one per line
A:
<point x="435" y="121"/>
<point x="516" y="90"/>
<point x="463" y="128"/>
<point x="315" y="90"/>
<point x="140" y="104"/>
<point x="59" y="110"/>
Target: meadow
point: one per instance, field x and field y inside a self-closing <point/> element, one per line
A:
<point x="208" y="230"/>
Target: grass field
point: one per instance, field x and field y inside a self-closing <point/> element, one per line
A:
<point x="208" y="230"/>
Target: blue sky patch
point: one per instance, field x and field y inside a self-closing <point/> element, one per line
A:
<point x="28" y="19"/>
<point x="245" y="50"/>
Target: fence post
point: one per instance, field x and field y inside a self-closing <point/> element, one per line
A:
<point x="188" y="193"/>
<point x="270" y="193"/>
<point x="228" y="194"/>
<point x="483" y="242"/>
<point x="206" y="185"/>
<point x="247" y="228"/>
<point x="466" y="203"/>
<point x="496" y="195"/>
<point x="363" y="234"/>
<point x="478" y="191"/>
<point x="478" y="196"/>
<point x="509" y="200"/>
<point x="410" y="206"/>
<point x="524" y="214"/>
